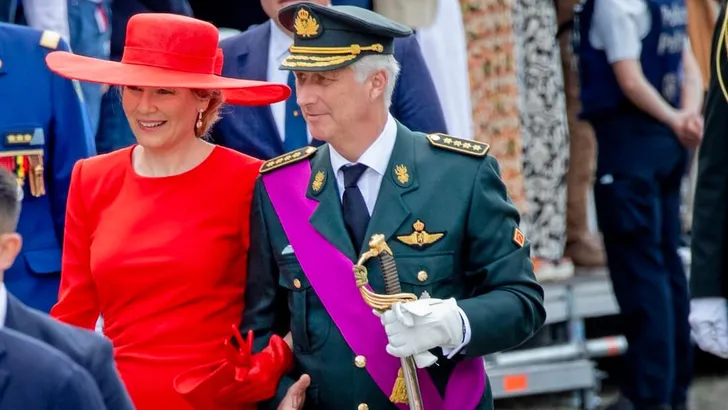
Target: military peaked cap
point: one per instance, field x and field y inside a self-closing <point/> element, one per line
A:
<point x="327" y="38"/>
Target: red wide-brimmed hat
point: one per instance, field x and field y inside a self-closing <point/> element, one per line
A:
<point x="168" y="51"/>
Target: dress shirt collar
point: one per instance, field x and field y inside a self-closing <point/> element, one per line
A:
<point x="377" y="155"/>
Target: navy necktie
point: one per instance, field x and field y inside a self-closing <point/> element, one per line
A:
<point x="356" y="214"/>
<point x="296" y="134"/>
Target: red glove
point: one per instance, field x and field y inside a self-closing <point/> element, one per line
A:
<point x="259" y="380"/>
<point x="241" y="378"/>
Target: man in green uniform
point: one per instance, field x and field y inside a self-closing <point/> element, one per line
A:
<point x="438" y="202"/>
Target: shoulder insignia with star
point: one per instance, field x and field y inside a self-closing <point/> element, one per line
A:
<point x="50" y="39"/>
<point x="444" y="141"/>
<point x="287" y="158"/>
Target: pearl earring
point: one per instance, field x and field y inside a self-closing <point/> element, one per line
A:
<point x="199" y="120"/>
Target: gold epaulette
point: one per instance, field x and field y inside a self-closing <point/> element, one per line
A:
<point x="476" y="149"/>
<point x="50" y="39"/>
<point x="288" y="158"/>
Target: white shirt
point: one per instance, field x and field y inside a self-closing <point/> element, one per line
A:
<point x="3" y="304"/>
<point x="48" y="15"/>
<point x="376" y="158"/>
<point x="277" y="52"/>
<point x="619" y="26"/>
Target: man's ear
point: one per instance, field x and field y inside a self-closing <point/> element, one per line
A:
<point x="10" y="245"/>
<point x="379" y="84"/>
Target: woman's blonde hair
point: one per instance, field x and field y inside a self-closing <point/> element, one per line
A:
<point x="212" y="114"/>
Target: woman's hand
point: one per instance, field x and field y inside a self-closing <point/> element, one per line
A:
<point x="257" y="379"/>
<point x="241" y="378"/>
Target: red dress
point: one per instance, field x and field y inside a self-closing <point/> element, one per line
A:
<point x="162" y="259"/>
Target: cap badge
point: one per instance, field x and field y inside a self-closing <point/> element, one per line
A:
<point x="306" y="24"/>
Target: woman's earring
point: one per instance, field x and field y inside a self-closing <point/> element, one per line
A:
<point x="199" y="120"/>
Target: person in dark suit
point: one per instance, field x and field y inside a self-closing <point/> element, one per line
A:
<point x="709" y="243"/>
<point x="34" y="376"/>
<point x="91" y="351"/>
<point x="269" y="131"/>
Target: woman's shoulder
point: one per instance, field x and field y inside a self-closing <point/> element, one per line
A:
<point x="103" y="168"/>
<point x="236" y="162"/>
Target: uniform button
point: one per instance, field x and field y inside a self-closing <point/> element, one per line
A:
<point x="1" y="63"/>
<point x="360" y="361"/>
<point x="363" y="406"/>
<point x="295" y="113"/>
<point x="422" y="276"/>
<point x="297" y="283"/>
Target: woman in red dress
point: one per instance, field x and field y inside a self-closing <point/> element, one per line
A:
<point x="157" y="234"/>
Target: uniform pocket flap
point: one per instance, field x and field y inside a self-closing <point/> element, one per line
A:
<point x="291" y="275"/>
<point x="43" y="261"/>
<point x="424" y="269"/>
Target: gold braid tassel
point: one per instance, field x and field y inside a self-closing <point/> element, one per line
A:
<point x="37" y="183"/>
<point x="399" y="392"/>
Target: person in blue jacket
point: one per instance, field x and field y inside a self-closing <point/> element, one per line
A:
<point x="44" y="130"/>
<point x="269" y="131"/>
<point x="641" y="90"/>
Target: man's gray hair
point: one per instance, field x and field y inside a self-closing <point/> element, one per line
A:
<point x="370" y="64"/>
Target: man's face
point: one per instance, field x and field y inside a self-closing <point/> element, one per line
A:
<point x="334" y="102"/>
<point x="271" y="7"/>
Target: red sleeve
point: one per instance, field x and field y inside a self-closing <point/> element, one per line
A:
<point x="78" y="302"/>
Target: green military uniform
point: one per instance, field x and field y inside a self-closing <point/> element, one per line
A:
<point x="445" y="214"/>
<point x="709" y="244"/>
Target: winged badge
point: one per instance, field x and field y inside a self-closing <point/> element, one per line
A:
<point x="420" y="238"/>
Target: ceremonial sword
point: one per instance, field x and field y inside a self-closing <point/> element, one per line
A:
<point x="407" y="377"/>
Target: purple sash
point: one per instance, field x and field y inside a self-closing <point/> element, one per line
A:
<point x="334" y="283"/>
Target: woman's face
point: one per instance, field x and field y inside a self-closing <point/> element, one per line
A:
<point x="161" y="117"/>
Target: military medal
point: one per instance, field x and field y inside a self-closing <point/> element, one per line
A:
<point x="23" y="157"/>
<point x="15" y="164"/>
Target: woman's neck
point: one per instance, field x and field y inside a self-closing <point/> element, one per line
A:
<point x="168" y="161"/>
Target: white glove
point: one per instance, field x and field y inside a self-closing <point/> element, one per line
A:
<point x="416" y="327"/>
<point x="709" y="325"/>
<point x="422" y="360"/>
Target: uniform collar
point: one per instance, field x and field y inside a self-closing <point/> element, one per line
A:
<point x="377" y="155"/>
